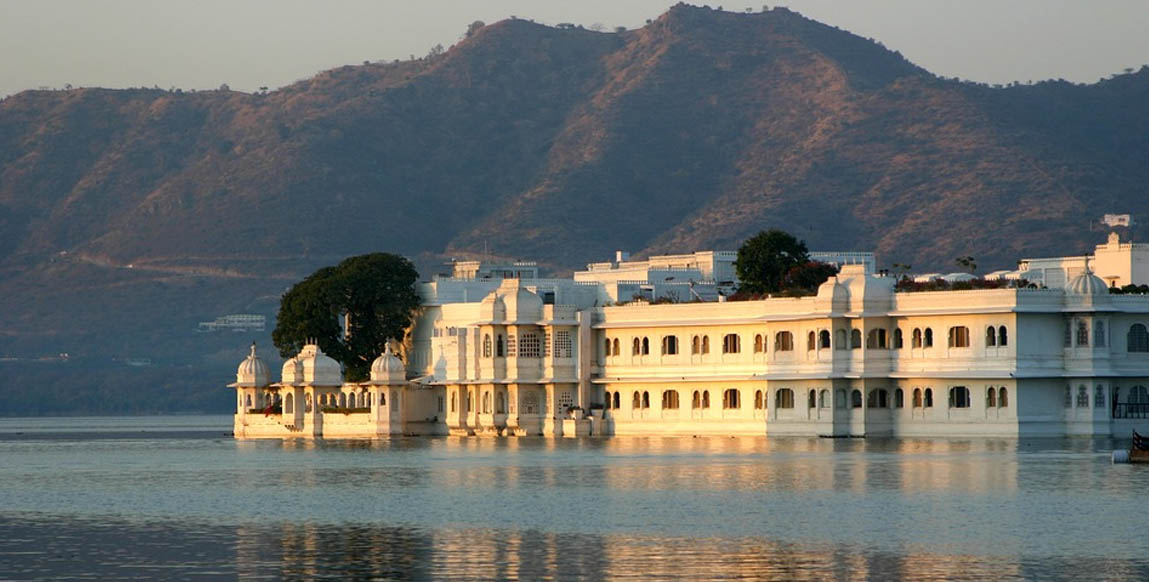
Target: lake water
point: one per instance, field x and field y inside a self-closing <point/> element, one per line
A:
<point x="178" y="498"/>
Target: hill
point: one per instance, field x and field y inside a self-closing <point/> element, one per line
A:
<point x="126" y="216"/>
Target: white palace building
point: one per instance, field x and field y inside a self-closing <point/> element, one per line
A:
<point x="496" y="350"/>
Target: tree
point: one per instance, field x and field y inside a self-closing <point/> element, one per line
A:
<point x="765" y="259"/>
<point x="474" y="27"/>
<point x="806" y="277"/>
<point x="375" y="293"/>
<point x="967" y="262"/>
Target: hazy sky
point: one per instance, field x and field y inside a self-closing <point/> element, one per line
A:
<point x="252" y="43"/>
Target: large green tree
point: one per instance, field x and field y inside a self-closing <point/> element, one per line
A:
<point x="766" y="258"/>
<point x="377" y="294"/>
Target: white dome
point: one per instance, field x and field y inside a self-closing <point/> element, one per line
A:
<point x="1087" y="284"/>
<point x="252" y="371"/>
<point x="292" y="372"/>
<point x="318" y="368"/>
<point x="388" y="368"/>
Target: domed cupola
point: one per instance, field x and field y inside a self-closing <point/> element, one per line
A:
<point x="388" y="368"/>
<point x="1087" y="283"/>
<point x="292" y="372"/>
<point x="252" y="371"/>
<point x="318" y="368"/>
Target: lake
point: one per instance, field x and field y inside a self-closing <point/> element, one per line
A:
<point x="178" y="498"/>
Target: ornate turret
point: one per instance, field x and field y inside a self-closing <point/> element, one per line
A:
<point x="318" y="368"/>
<point x="252" y="371"/>
<point x="388" y="368"/>
<point x="1087" y="283"/>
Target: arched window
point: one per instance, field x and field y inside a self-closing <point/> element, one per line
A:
<point x="917" y="397"/>
<point x="959" y="336"/>
<point x="1099" y="396"/>
<point x="990" y="397"/>
<point x="899" y="398"/>
<point x="758" y="344"/>
<point x="486" y="402"/>
<point x="1082" y="397"/>
<point x="636" y="400"/>
<point x="1082" y="333"/>
<point x="840" y="398"/>
<point x="696" y="400"/>
<point x="1138" y="338"/>
<point x="1002" y="336"/>
<point x="617" y="403"/>
<point x="758" y="404"/>
<point x="289" y="404"/>
<point x="1002" y="398"/>
<point x="856" y="398"/>
<point x="454" y="401"/>
<point x="605" y="348"/>
<point x="382" y="399"/>
<point x="670" y="399"/>
<point x="706" y="399"/>
<point x="876" y="339"/>
<point x="840" y="340"/>
<point x="929" y="394"/>
<point x="731" y="343"/>
<point x="695" y="345"/>
<point x="1138" y="395"/>
<point x="635" y="347"/>
<point x="616" y="351"/>
<point x="784" y="398"/>
<point x="855" y="339"/>
<point x="487" y="346"/>
<point x="1067" y="401"/>
<point x="878" y="398"/>
<point x="1099" y="335"/>
<point x="646" y="346"/>
<point x="824" y="398"/>
<point x="500" y="346"/>
<point x="608" y="400"/>
<point x="928" y="338"/>
<point x="990" y="336"/>
<point x="783" y="341"/>
<point x="811" y="341"/>
<point x="249" y="401"/>
<point x="342" y="400"/>
<point x="899" y="341"/>
<point x="812" y="399"/>
<point x="669" y="345"/>
<point x="705" y="344"/>
<point x="645" y="399"/>
<point x="916" y="338"/>
<point x="824" y="339"/>
<point x="959" y="397"/>
<point x="731" y="399"/>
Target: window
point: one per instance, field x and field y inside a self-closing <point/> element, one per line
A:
<point x="646" y="346"/>
<point x="669" y="345"/>
<point x="645" y="399"/>
<point x="530" y="346"/>
<point x="840" y="340"/>
<point x="636" y="400"/>
<point x="990" y="336"/>
<point x="617" y="400"/>
<point x="696" y="400"/>
<point x="500" y="347"/>
<point x="695" y="345"/>
<point x="487" y="345"/>
<point x="706" y="399"/>
<point x="824" y="398"/>
<point x="486" y="402"/>
<point x="840" y="399"/>
<point x="917" y="397"/>
<point x="856" y="398"/>
<point x="879" y="398"/>
<point x="705" y="344"/>
<point x="784" y="398"/>
<point x="876" y="339"/>
<point x="759" y="346"/>
<point x="1138" y="395"/>
<point x="608" y="400"/>
<point x="616" y="350"/>
<point x="1099" y="338"/>
<point x="440" y="409"/>
<point x="730" y="399"/>
<point x="959" y="337"/>
<point x="916" y="340"/>
<point x="824" y="339"/>
<point x="929" y="397"/>
<point x="1082" y="333"/>
<point x="1002" y="336"/>
<point x="1099" y="396"/>
<point x="758" y="403"/>
<point x="1138" y="339"/>
<point x="855" y="339"/>
<point x="959" y="397"/>
<point x="1002" y="398"/>
<point x="454" y="401"/>
<point x="1082" y="397"/>
<point x="635" y="347"/>
<point x="606" y="347"/>
<point x="1067" y="339"/>
<point x="812" y="399"/>
<point x="899" y="398"/>
<point x="990" y="396"/>
<point x="811" y="341"/>
<point x="783" y="341"/>
<point x="562" y="344"/>
<point x="510" y="345"/>
<point x="1067" y="401"/>
<point x="928" y="338"/>
<point x="531" y="402"/>
<point x="731" y="343"/>
<point x="670" y="399"/>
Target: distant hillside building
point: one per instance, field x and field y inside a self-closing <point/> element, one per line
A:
<point x="241" y="322"/>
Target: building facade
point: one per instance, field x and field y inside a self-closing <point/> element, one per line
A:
<point x="558" y="357"/>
